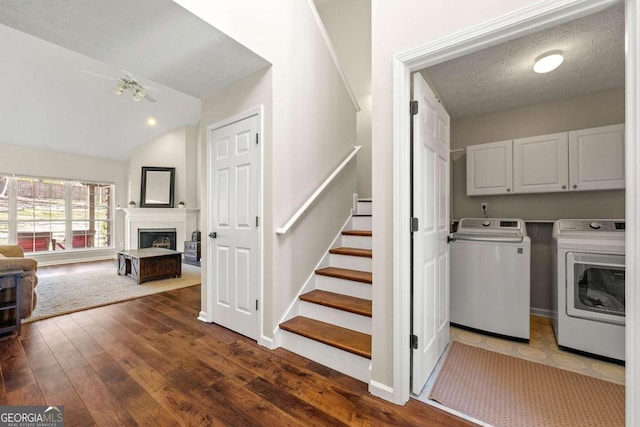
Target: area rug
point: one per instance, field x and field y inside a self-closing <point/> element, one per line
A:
<point x="79" y="291"/>
<point x="507" y="391"/>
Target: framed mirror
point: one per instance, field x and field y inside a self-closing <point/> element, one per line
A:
<point x="157" y="187"/>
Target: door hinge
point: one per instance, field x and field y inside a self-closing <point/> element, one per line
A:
<point x="257" y="138"/>
<point x="256" y="305"/>
<point x="257" y="222"/>
<point x="413" y="107"/>
<point x="414" y="224"/>
<point x="414" y="342"/>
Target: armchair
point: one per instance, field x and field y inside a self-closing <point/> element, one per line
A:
<point x="12" y="258"/>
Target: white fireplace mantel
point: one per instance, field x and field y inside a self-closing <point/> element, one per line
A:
<point x="184" y="220"/>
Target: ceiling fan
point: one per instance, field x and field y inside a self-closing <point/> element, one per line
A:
<point x="127" y="83"/>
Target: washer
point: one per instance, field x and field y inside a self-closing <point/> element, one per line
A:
<point x="588" y="297"/>
<point x="490" y="276"/>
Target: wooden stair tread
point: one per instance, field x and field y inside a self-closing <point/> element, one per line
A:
<point x="338" y="301"/>
<point x="335" y="336"/>
<point x="365" y="253"/>
<point x="363" y="233"/>
<point x="346" y="274"/>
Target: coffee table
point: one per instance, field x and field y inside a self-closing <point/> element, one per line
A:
<point x="148" y="264"/>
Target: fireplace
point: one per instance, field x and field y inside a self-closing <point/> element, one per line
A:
<point x="157" y="238"/>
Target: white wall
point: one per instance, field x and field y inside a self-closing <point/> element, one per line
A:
<point x="396" y="27"/>
<point x="174" y="149"/>
<point x="313" y="127"/>
<point x="51" y="164"/>
<point x="348" y="23"/>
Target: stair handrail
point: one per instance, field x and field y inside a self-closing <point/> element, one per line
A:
<point x="334" y="55"/>
<point x="300" y="212"/>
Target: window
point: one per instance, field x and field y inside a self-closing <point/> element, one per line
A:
<point x="51" y="215"/>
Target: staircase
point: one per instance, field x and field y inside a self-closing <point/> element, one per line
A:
<point x="331" y="321"/>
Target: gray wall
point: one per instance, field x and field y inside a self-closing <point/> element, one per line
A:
<point x="597" y="109"/>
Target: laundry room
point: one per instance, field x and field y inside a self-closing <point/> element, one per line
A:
<point x="540" y="148"/>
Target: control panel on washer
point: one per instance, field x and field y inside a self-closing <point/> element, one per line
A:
<point x="492" y="225"/>
<point x="591" y="225"/>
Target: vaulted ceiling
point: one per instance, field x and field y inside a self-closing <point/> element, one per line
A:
<point x="61" y="59"/>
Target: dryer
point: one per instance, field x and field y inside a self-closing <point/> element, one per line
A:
<point x="490" y="276"/>
<point x="588" y="296"/>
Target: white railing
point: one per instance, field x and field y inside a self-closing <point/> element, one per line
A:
<point x="314" y="196"/>
<point x="332" y="52"/>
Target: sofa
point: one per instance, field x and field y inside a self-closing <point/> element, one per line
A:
<point x="12" y="258"/>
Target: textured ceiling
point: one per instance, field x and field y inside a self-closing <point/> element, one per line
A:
<point x="49" y="102"/>
<point x="501" y="77"/>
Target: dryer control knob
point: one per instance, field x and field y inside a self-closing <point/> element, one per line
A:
<point x="595" y="225"/>
<point x="486" y="223"/>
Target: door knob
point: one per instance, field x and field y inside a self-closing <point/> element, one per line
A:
<point x="213" y="235"/>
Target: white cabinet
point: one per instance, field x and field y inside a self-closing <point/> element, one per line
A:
<point x="489" y="168"/>
<point x="586" y="159"/>
<point x="541" y="163"/>
<point x="596" y="158"/>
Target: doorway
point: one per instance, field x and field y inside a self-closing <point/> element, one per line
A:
<point x="234" y="254"/>
<point x="475" y="39"/>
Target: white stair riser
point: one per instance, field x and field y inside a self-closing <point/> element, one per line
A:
<point x="361" y="223"/>
<point x="361" y="242"/>
<point x="342" y="286"/>
<point x="364" y="208"/>
<point x="336" y="317"/>
<point x="351" y="262"/>
<point x="342" y="361"/>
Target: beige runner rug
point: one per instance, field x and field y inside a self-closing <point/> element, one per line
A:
<point x="506" y="391"/>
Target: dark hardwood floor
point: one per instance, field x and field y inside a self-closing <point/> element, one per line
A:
<point x="148" y="361"/>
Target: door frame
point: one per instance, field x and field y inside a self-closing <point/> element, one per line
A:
<point x="206" y="314"/>
<point x="516" y="24"/>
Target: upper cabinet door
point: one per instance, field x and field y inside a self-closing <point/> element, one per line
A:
<point x="489" y="168"/>
<point x="597" y="158"/>
<point x="540" y="163"/>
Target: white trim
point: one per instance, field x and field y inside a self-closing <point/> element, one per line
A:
<point x="332" y="52"/>
<point x="380" y="390"/>
<point x="632" y="134"/>
<point x="207" y="316"/>
<point x="301" y="211"/>
<point x="523" y="21"/>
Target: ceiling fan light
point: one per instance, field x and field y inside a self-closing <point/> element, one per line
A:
<point x="548" y="62"/>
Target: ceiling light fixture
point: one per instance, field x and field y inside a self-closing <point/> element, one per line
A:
<point x="548" y="61"/>
<point x="129" y="84"/>
<point x="151" y="121"/>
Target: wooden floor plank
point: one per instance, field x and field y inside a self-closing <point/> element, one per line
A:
<point x="151" y="362"/>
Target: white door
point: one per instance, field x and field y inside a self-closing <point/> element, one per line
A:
<point x="233" y="251"/>
<point x="596" y="158"/>
<point x="489" y="168"/>
<point x="541" y="163"/>
<point x="430" y="297"/>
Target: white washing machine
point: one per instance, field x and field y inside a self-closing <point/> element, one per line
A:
<point x="490" y="276"/>
<point x="588" y="298"/>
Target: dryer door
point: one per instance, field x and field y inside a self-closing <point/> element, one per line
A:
<point x="595" y="287"/>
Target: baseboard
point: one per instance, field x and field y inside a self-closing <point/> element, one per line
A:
<point x="541" y="312"/>
<point x="267" y="342"/>
<point x="202" y="316"/>
<point x="382" y="391"/>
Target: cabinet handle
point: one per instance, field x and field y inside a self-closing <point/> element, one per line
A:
<point x="508" y="189"/>
<point x="564" y="187"/>
<point x="575" y="186"/>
